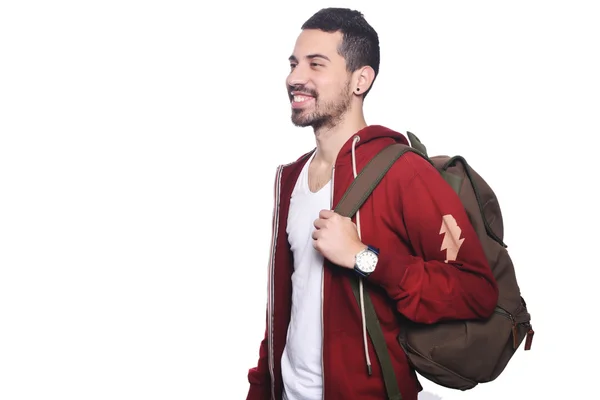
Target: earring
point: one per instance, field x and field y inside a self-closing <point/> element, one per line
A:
<point x="358" y="89"/>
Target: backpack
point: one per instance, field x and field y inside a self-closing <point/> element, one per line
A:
<point x="467" y="352"/>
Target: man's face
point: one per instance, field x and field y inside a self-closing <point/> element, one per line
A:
<point x="318" y="84"/>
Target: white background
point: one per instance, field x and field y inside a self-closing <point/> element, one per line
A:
<point x="138" y="146"/>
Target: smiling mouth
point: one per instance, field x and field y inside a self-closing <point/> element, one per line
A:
<point x="300" y="100"/>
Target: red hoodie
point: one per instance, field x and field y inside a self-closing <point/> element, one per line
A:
<point x="415" y="276"/>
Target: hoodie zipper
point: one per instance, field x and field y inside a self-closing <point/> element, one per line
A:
<point x="323" y="296"/>
<point x="271" y="283"/>
<point x="270" y="289"/>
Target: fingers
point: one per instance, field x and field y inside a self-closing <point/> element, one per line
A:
<point x="329" y="214"/>
<point x="326" y="217"/>
<point x="316" y="235"/>
<point x="319" y="223"/>
<point x="325" y="214"/>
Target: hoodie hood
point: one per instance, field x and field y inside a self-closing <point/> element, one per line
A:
<point x="368" y="134"/>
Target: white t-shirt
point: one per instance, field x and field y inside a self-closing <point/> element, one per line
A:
<point x="302" y="357"/>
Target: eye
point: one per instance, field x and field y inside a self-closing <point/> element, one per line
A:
<point x="314" y="64"/>
<point x="292" y="66"/>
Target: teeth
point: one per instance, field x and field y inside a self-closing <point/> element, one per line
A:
<point x="299" y="99"/>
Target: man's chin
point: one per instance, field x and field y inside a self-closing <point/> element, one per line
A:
<point x="301" y="124"/>
<point x="299" y="121"/>
<point x="313" y="120"/>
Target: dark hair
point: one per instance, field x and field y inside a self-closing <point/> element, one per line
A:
<point x="360" y="43"/>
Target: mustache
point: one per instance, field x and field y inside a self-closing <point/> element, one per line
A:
<point x="303" y="89"/>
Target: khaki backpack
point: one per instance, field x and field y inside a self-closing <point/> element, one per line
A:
<point x="466" y="352"/>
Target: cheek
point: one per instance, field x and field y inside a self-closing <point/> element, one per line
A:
<point x="333" y="88"/>
<point x="327" y="90"/>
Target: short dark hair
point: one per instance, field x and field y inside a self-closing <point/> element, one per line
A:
<point x="360" y="43"/>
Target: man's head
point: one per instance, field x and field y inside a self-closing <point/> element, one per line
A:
<point x="334" y="63"/>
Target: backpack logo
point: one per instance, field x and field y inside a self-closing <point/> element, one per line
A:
<point x="452" y="241"/>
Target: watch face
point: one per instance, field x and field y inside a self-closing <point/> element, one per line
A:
<point x="366" y="261"/>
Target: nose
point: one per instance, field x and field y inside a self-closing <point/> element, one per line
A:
<point x="298" y="76"/>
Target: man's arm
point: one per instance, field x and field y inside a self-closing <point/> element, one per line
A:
<point x="449" y="277"/>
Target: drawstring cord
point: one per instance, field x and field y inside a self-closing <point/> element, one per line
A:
<point x="360" y="280"/>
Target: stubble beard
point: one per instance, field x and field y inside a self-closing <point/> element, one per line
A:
<point x="325" y="115"/>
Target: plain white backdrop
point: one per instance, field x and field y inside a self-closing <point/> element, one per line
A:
<point x="138" y="146"/>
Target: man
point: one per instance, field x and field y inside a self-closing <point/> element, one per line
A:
<point x="315" y="346"/>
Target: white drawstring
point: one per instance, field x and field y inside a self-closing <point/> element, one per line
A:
<point x="360" y="281"/>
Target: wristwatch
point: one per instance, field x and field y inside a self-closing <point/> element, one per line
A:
<point x="366" y="261"/>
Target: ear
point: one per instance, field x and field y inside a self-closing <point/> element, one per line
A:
<point x="363" y="79"/>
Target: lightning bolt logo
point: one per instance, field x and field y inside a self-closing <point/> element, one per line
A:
<point x="452" y="241"/>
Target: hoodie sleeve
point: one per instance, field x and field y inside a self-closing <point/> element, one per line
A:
<point x="447" y="276"/>
<point x="259" y="377"/>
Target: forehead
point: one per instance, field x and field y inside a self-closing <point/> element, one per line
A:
<point x="314" y="41"/>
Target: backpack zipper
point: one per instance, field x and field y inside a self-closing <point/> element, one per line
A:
<point x="515" y="332"/>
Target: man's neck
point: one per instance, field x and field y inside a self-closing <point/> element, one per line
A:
<point x="331" y="139"/>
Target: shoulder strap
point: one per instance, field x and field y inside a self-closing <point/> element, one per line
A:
<point x="370" y="176"/>
<point x="355" y="196"/>
<point x="376" y="334"/>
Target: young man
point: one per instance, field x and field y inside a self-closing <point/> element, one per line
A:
<point x="315" y="346"/>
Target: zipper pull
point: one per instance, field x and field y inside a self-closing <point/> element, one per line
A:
<point x="529" y="338"/>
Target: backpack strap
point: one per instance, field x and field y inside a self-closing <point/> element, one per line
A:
<point x="370" y="176"/>
<point x="376" y="334"/>
<point x="351" y="201"/>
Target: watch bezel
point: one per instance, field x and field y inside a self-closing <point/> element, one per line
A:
<point x="370" y="251"/>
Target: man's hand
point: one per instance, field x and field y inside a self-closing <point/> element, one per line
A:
<point x="336" y="238"/>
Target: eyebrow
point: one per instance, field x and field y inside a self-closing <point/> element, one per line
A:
<point x="310" y="57"/>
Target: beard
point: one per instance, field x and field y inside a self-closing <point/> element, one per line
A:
<point x="325" y="114"/>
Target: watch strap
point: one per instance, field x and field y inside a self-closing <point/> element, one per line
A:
<point x="373" y="249"/>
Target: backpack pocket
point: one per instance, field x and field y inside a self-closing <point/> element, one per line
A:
<point x="461" y="354"/>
